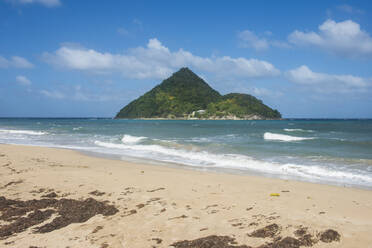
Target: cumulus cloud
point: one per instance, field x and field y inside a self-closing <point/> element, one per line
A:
<point x="95" y="97"/>
<point x="156" y="61"/>
<point x="342" y="38"/>
<point x="323" y="82"/>
<point x="249" y="39"/>
<point x="266" y="92"/>
<point x="15" y="61"/>
<point x="53" y="94"/>
<point x="47" y="3"/>
<point x="23" y="80"/>
<point x="349" y="9"/>
<point x="78" y="93"/>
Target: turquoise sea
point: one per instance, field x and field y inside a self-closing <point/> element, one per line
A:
<point x="337" y="152"/>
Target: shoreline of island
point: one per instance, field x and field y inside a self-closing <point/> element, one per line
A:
<point x="216" y="118"/>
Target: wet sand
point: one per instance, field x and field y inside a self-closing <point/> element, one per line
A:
<point x="61" y="198"/>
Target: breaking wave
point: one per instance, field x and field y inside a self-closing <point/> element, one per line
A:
<point x="283" y="137"/>
<point x="235" y="161"/>
<point x="129" y="139"/>
<point x="27" y="132"/>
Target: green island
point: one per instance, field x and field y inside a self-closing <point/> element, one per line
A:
<point x="185" y="95"/>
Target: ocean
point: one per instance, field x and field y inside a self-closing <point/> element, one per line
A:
<point x="336" y="152"/>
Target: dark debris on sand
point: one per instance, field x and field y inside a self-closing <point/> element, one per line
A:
<point x="307" y="240"/>
<point x="157" y="240"/>
<point x="301" y="231"/>
<point x="212" y="241"/>
<point x="265" y="232"/>
<point x="97" y="193"/>
<point x="329" y="236"/>
<point x="50" y="195"/>
<point x="12" y="183"/>
<point x="287" y="242"/>
<point x="304" y="239"/>
<point x="25" y="214"/>
<point x="21" y="224"/>
<point x="154" y="190"/>
<point x="74" y="211"/>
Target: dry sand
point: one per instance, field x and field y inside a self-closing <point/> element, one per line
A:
<point x="158" y="206"/>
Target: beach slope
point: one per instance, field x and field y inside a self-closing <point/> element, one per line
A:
<point x="83" y="201"/>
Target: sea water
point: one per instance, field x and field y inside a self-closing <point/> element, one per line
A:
<point x="335" y="152"/>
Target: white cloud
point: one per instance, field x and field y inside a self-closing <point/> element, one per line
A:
<point x="23" y="80"/>
<point x="15" y="61"/>
<point x="78" y="93"/>
<point x="53" y="94"/>
<point x="156" y="61"/>
<point x="250" y="39"/>
<point x="89" y="97"/>
<point x="20" y="62"/>
<point x="266" y="92"/>
<point x="349" y="9"/>
<point x="47" y="3"/>
<point x="280" y="44"/>
<point x="342" y="38"/>
<point x="323" y="82"/>
<point x="3" y="62"/>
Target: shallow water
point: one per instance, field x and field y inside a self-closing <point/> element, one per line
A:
<point x="326" y="151"/>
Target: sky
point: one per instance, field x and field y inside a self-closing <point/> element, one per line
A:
<point x="74" y="58"/>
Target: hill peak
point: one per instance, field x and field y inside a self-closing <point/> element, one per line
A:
<point x="185" y="72"/>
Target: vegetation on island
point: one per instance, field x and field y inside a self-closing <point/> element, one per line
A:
<point x="185" y="95"/>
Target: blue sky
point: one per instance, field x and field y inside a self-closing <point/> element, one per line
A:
<point x="70" y="58"/>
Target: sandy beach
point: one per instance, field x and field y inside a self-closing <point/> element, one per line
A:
<point x="135" y="205"/>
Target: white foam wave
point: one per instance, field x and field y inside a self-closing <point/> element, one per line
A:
<point x="149" y="149"/>
<point x="237" y="161"/>
<point x="129" y="139"/>
<point x="297" y="130"/>
<point x="323" y="173"/>
<point x="201" y="140"/>
<point x="28" y="132"/>
<point x="283" y="137"/>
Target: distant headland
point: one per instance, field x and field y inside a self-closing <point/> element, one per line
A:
<point x="186" y="96"/>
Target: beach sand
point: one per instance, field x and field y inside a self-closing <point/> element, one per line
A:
<point x="155" y="206"/>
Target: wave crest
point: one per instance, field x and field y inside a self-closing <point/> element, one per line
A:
<point x="237" y="161"/>
<point x="129" y="139"/>
<point x="283" y="137"/>
<point x="28" y="132"/>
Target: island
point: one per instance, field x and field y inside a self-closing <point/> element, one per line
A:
<point x="185" y="95"/>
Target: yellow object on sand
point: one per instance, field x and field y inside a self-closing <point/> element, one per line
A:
<point x="274" y="194"/>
